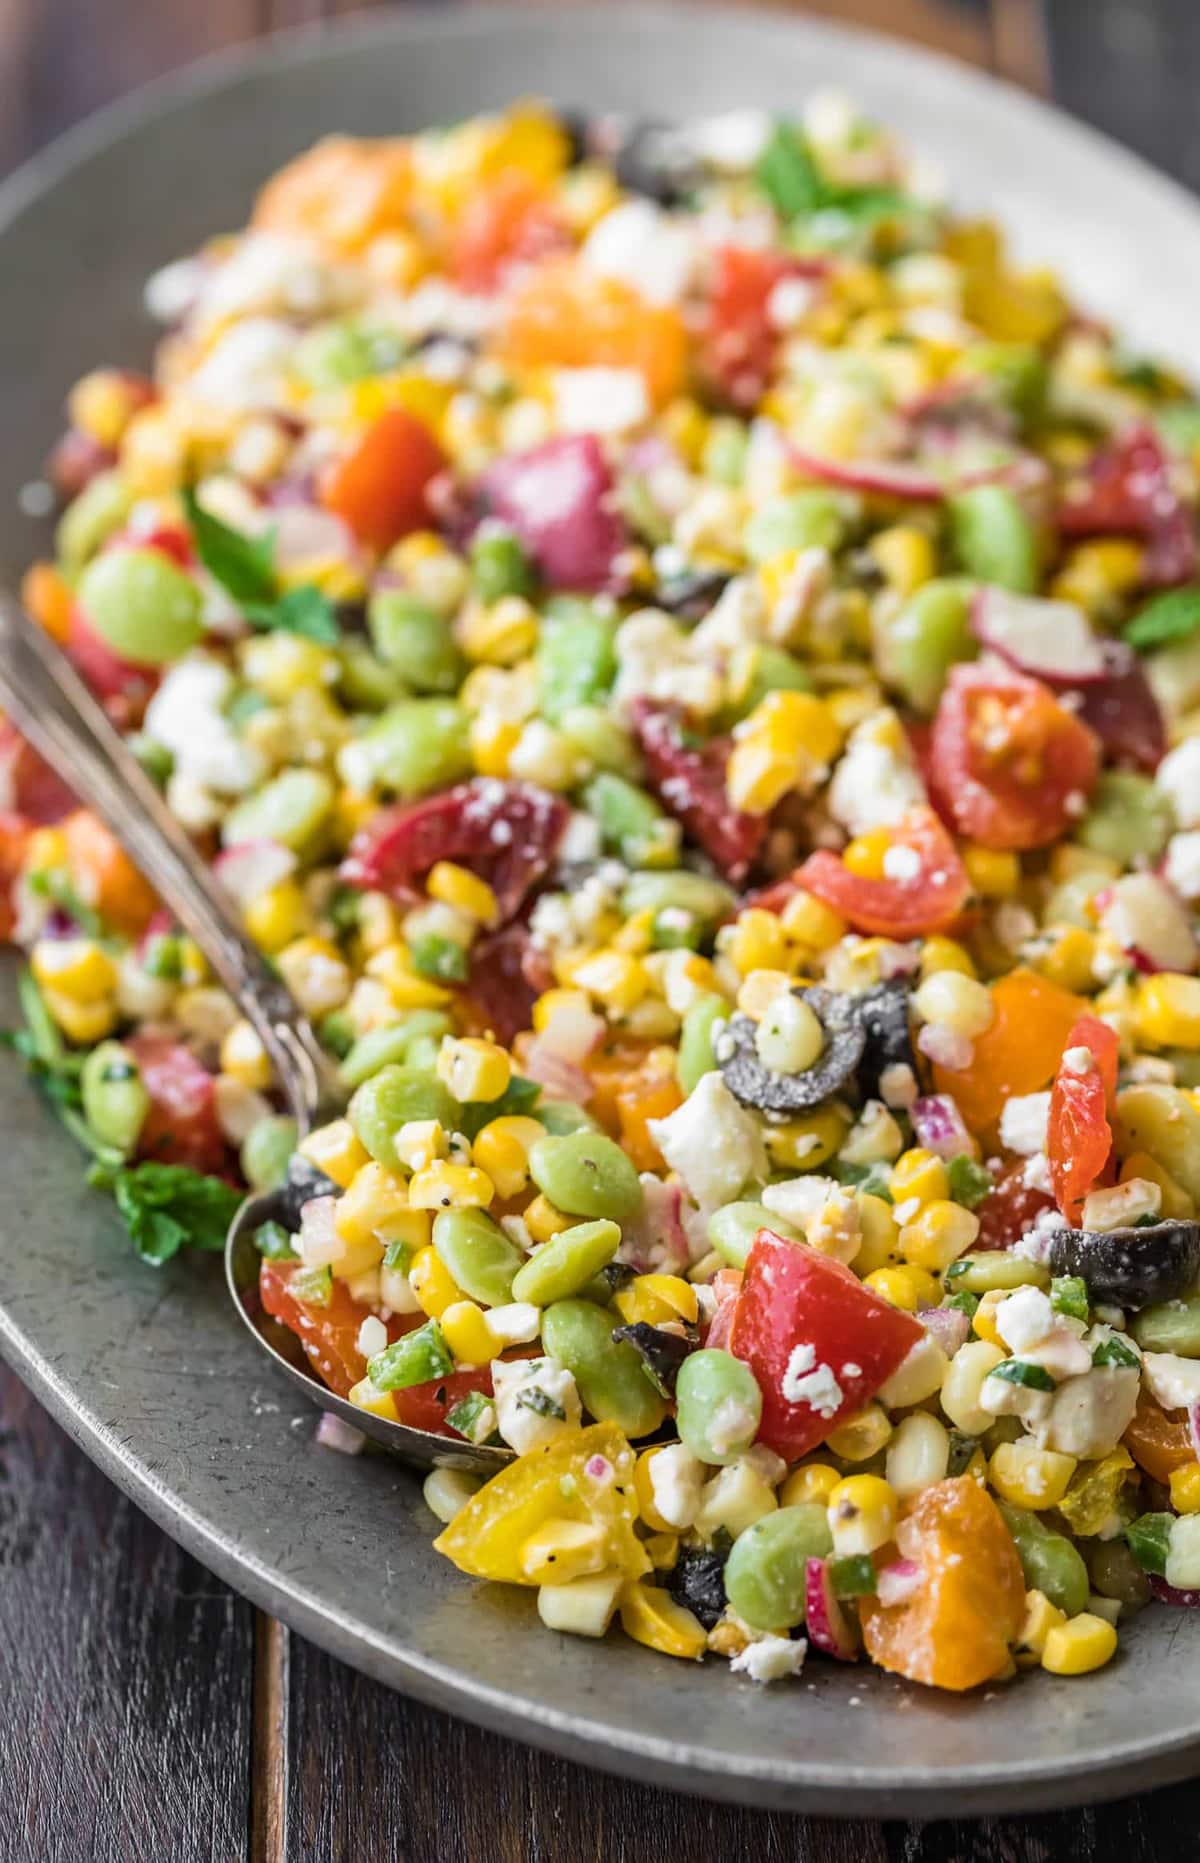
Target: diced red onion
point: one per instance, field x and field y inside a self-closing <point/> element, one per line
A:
<point x="253" y="867"/>
<point x="939" y="1126"/>
<point x="947" y="1325"/>
<point x="559" y="1077"/>
<point x="333" y="1432"/>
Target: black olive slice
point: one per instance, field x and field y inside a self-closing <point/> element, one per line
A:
<point x="1130" y="1268"/>
<point x="691" y="594"/>
<point x="697" y="1581"/>
<point x="781" y="1095"/>
<point x="883" y="1016"/>
<point x="304" y="1182"/>
<point x="661" y="1353"/>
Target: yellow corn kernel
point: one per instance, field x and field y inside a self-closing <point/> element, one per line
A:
<point x="810" y="923"/>
<point x="939" y="1233"/>
<point x="993" y="874"/>
<point x="316" y="974"/>
<point x="1027" y="1476"/>
<point x="755" y="941"/>
<point x="502" y="1150"/>
<point x="364" y="1396"/>
<point x="472" y="1068"/>
<point x="446" y="1186"/>
<point x="662" y="1550"/>
<point x="651" y="1616"/>
<point x="945" y="954"/>
<point x="1185" y="1488"/>
<point x="653" y="1298"/>
<point x="812" y="1481"/>
<point x="454" y="886"/>
<point x="685" y="424"/>
<point x="1041" y="1617"/>
<point x="905" y="555"/>
<point x="46" y="847"/>
<point x="244" y="1057"/>
<point x="153" y="453"/>
<point x="1068" y="957"/>
<point x="613" y="978"/>
<point x="862" y="1515"/>
<point x="545" y="755"/>
<point x="921" y="1174"/>
<point x="879" y="1247"/>
<point x="77" y="969"/>
<point x="803" y="1144"/>
<point x="906" y="1288"/>
<point x="378" y="923"/>
<point x="862" y="1435"/>
<point x="864" y="856"/>
<point x="492" y="740"/>
<point x="83" y="1022"/>
<point x="277" y="916"/>
<point x="1093" y="573"/>
<point x="561" y="1550"/>
<point x="371" y="1205"/>
<point x="501" y="634"/>
<point x="1077" y="1647"/>
<point x="470" y="1339"/>
<point x="643" y="1488"/>
<point x="1176" y="1203"/>
<point x="983" y="1320"/>
<point x="432" y="1283"/>
<point x="758" y="775"/>
<point x="1168" y="1010"/>
<point x="337" y="1150"/>
<point x="556" y="1002"/>
<point x="543" y="1221"/>
<point x="102" y="403"/>
<point x="392" y="968"/>
<point x="759" y="991"/>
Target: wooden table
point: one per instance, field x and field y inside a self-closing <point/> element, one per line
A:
<point x="146" y="1711"/>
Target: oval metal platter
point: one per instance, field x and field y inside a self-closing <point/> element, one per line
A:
<point x="150" y="1371"/>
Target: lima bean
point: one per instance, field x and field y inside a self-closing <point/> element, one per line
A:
<point x="993" y="538"/>
<point x="766" y="1571"/>
<point x="266" y="1150"/>
<point x="1049" y="1561"/>
<point x="142" y="604"/>
<point x="564" y="1265"/>
<point x="612" y="1383"/>
<point x="410" y="749"/>
<point x="718" y="1405"/>
<point x="1172" y="1327"/>
<point x="380" y="1047"/>
<point x="115" y="1101"/>
<point x="695" y="1057"/>
<point x="919" y="644"/>
<point x="1127" y="817"/>
<point x="732" y="1229"/>
<point x="1161" y="1120"/>
<point x="292" y="808"/>
<point x="389" y="1100"/>
<point x="586" y="1174"/>
<point x="478" y="1254"/>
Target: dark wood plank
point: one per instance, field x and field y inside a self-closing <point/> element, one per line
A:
<point x="1132" y="68"/>
<point x="125" y="1702"/>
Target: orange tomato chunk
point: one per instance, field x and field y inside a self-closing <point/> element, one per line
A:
<point x="1019" y="1053"/>
<point x="562" y="316"/>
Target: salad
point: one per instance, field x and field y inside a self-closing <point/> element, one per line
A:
<point x="687" y="660"/>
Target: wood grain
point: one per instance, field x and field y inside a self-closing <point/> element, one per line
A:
<point x="125" y="1670"/>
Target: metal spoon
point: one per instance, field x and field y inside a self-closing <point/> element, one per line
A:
<point x="43" y="694"/>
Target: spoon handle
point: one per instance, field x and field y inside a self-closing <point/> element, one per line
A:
<point x="53" y="708"/>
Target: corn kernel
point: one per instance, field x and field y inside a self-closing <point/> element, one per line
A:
<point x="492" y="740"/>
<point x="277" y="916"/>
<point x="939" y="1233"/>
<point x="651" y="1616"/>
<point x="369" y="1208"/>
<point x="994" y="874"/>
<point x="983" y="1320"/>
<point x="1077" y="1647"/>
<point x="906" y="1288"/>
<point x="561" y="1550"/>
<point x="499" y="635"/>
<point x="544" y="755"/>
<point x="905" y="555"/>
<point x="392" y="968"/>
<point x="945" y="954"/>
<point x="316" y="974"/>
<point x="1185" y="1488"/>
<point x="83" y="1022"/>
<point x="921" y="1174"/>
<point x="433" y="1284"/>
<point x="643" y="1488"/>
<point x="1027" y="1476"/>
<point x="865" y="855"/>
<point x="655" y="1298"/>
<point x="1041" y="1617"/>
<point x="810" y="923"/>
<point x="364" y="1396"/>
<point x="1068" y="957"/>
<point x="613" y="978"/>
<point x="420" y="1143"/>
<point x="468" y="1336"/>
<point x="862" y="1435"/>
<point x="543" y="1221"/>
<point x="947" y="999"/>
<point x="473" y="1069"/>
<point x="244" y="1057"/>
<point x="759" y="990"/>
<point x="755" y="941"/>
<point x="445" y="1186"/>
<point x="466" y="892"/>
<point x="804" y="1144"/>
<point x="1168" y="1010"/>
<point x="75" y="968"/>
<point x="337" y="1150"/>
<point x="812" y="1481"/>
<point x="879" y="1247"/>
<point x="662" y="1550"/>
<point x="862" y="1515"/>
<point x="502" y="1150"/>
<point x="377" y="923"/>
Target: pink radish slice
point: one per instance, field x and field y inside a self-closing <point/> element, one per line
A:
<point x="252" y="867"/>
<point x="885" y="477"/>
<point x="1123" y="712"/>
<point x="897" y="1582"/>
<point x="1193" y="1417"/>
<point x="1171" y="1594"/>
<point x="827" y="1625"/>
<point x="1050" y="640"/>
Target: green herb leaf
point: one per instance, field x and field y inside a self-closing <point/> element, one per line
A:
<point x="243" y="565"/>
<point x="789" y="176"/>
<point x="54" y="884"/>
<point x="520" y="1096"/>
<point x="962" y="1450"/>
<point x="302" y="610"/>
<point x="1114" y="1351"/>
<point x="969" y="1182"/>
<point x="438" y="957"/>
<point x="167" y="1207"/>
<point x="963" y="1303"/>
<point x="871" y="1179"/>
<point x="398" y="1255"/>
<point x="534" y="1398"/>
<point x="1174" y="615"/>
<point x="1021" y="1371"/>
<point x="468" y="1416"/>
<point x="314" y="1286"/>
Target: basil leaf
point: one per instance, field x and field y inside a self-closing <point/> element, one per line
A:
<point x="302" y="610"/>
<point x="969" y="1182"/>
<point x="167" y="1207"/>
<point x="788" y="175"/>
<point x="1172" y="616"/>
<point x="1114" y="1351"/>
<point x="243" y="565"/>
<point x="1023" y="1372"/>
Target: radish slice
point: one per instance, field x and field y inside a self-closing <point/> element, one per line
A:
<point x="827" y="1625"/>
<point x="1193" y="1418"/>
<point x="1171" y="1594"/>
<point x="1050" y="640"/>
<point x="897" y="1582"/>
<point x="253" y="867"/>
<point x="881" y="476"/>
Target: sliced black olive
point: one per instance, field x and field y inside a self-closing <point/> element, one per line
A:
<point x="304" y="1181"/>
<point x="1130" y="1267"/>
<point x="618" y="1274"/>
<point x="693" y="593"/>
<point x="697" y="1581"/>
<point x="782" y="1095"/>
<point x="661" y="1353"/>
<point x="883" y="1017"/>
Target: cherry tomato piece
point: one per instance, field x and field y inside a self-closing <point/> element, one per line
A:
<point x="690" y="784"/>
<point x="1009" y="1210"/>
<point x="1020" y="1050"/>
<point x="1011" y="767"/>
<point x="509" y="222"/>
<point x="329" y="1333"/>
<point x="739" y="337"/>
<point x="1079" y="1137"/>
<point x="1128" y="488"/>
<point x="181" y="1126"/>
<point x="910" y="908"/>
<point x="380" y="487"/>
<point x="1159" y="1440"/>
